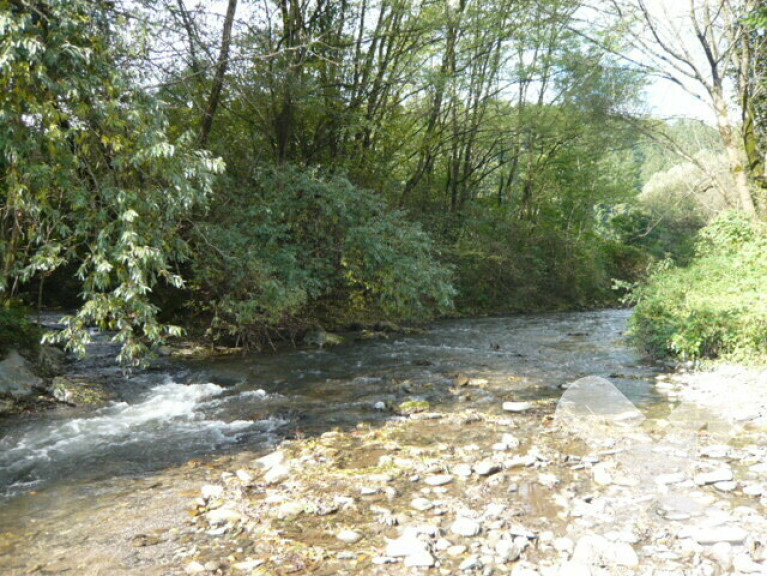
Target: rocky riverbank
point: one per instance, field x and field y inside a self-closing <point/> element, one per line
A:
<point x="489" y="492"/>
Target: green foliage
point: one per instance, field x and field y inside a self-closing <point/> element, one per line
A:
<point x="16" y="330"/>
<point x="293" y="243"/>
<point x="714" y="308"/>
<point x="87" y="172"/>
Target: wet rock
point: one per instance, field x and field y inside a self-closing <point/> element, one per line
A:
<point x="517" y="406"/>
<point x="466" y="527"/>
<point x="438" y="479"/>
<point x="349" y="536"/>
<point x="16" y="377"/>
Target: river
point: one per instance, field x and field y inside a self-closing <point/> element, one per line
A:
<point x="54" y="465"/>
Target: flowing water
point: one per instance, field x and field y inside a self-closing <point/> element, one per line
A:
<point x="51" y="464"/>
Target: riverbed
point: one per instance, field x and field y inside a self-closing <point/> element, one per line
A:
<point x="117" y="490"/>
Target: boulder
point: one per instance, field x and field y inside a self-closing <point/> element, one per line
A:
<point x="16" y="378"/>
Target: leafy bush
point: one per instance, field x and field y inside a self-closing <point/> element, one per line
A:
<point x="714" y="308"/>
<point x="296" y="245"/>
<point x="16" y="330"/>
<point x="510" y="265"/>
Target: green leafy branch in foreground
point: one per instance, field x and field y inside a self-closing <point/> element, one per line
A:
<point x="88" y="174"/>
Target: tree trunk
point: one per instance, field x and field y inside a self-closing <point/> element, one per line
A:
<point x="735" y="154"/>
<point x="218" y="79"/>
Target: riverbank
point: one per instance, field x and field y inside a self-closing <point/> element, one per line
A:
<point x="509" y="489"/>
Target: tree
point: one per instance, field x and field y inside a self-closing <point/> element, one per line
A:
<point x="88" y="174"/>
<point x="704" y="48"/>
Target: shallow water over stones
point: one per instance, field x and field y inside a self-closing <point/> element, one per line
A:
<point x="72" y="473"/>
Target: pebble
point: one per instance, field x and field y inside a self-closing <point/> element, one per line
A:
<point x="486" y="468"/>
<point x="369" y="490"/>
<point x="457" y="550"/>
<point x="730" y="534"/>
<point x="471" y="563"/>
<point x="755" y="490"/>
<point x="517" y="406"/>
<point x="462" y="470"/>
<point x="406" y="545"/>
<point x="194" y="568"/>
<point x="421" y="504"/>
<point x="379" y="560"/>
<point x="466" y="527"/>
<point x="720" y="475"/>
<point x="223" y="516"/>
<point x="601" y="476"/>
<point x="574" y="569"/>
<point x="247" y="565"/>
<point x="564" y="545"/>
<point x="245" y="476"/>
<point x="210" y="491"/>
<point x="349" y="536"/>
<point x="277" y="474"/>
<point x="438" y="480"/>
<point x="671" y="478"/>
<point x="508" y="550"/>
<point x="728" y="486"/>
<point x="422" y="559"/>
<point x="596" y="550"/>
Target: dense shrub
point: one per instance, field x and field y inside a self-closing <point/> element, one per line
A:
<point x="715" y="307"/>
<point x="506" y="264"/>
<point x="16" y="330"/>
<point x="296" y="243"/>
